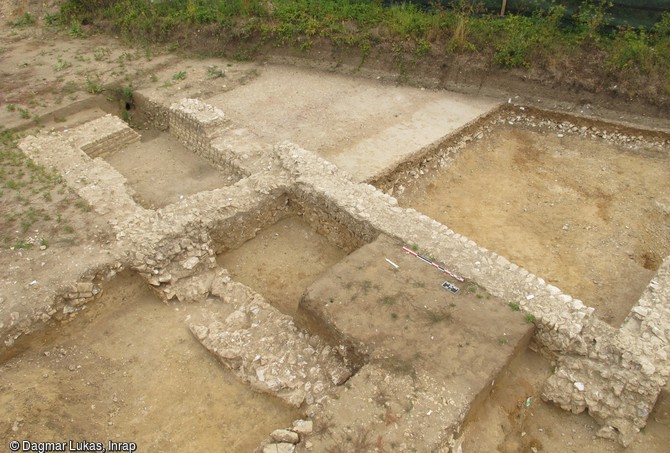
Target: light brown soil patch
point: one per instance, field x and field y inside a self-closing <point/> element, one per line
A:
<point x="162" y="171"/>
<point x="587" y="216"/>
<point x="128" y="369"/>
<point x="281" y="261"/>
<point x="505" y="423"/>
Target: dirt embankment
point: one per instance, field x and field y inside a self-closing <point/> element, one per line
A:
<point x="576" y="76"/>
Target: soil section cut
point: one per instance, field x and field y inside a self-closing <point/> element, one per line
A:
<point x="363" y="126"/>
<point x="515" y="419"/>
<point x="128" y="369"/>
<point x="448" y="346"/>
<point x="281" y="261"/>
<point x="162" y="171"/>
<point x="588" y="216"/>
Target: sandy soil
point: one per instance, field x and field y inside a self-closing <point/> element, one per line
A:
<point x="140" y="368"/>
<point x="162" y="171"/>
<point x="587" y="216"/>
<point x="129" y="370"/>
<point x="361" y="125"/>
<point x="505" y="422"/>
<point x="282" y="261"/>
<point x="404" y="321"/>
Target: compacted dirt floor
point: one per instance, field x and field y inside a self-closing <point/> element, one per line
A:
<point x="281" y="261"/>
<point x="128" y="369"/>
<point x="588" y="216"/>
<point x="162" y="171"/>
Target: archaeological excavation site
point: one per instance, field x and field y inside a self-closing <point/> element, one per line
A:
<point x="290" y="259"/>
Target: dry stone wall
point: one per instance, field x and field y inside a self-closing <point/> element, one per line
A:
<point x="565" y="326"/>
<point x="614" y="373"/>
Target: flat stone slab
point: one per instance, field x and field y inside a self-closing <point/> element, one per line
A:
<point x="428" y="353"/>
<point x="361" y="125"/>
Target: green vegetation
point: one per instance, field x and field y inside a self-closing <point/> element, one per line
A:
<point x="75" y="30"/>
<point x="61" y="64"/>
<point x="181" y="75"/>
<point x="431" y="317"/>
<point x="34" y="197"/>
<point x="24" y="21"/>
<point x="94" y="86"/>
<point x="213" y="72"/>
<point x="551" y="40"/>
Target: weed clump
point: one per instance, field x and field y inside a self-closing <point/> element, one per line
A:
<point x="549" y="38"/>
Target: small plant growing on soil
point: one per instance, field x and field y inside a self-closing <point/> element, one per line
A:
<point x="101" y="53"/>
<point x="213" y="72"/>
<point x="83" y="205"/>
<point x="388" y="301"/>
<point x="530" y="319"/>
<point x="22" y="245"/>
<point x="181" y="75"/>
<point x="51" y="19"/>
<point x="24" y="21"/>
<point x="514" y="306"/>
<point x="75" y="30"/>
<point x="94" y="87"/>
<point x="61" y="64"/>
<point x="435" y="316"/>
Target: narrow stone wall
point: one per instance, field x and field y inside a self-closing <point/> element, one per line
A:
<point x="196" y="125"/>
<point x="95" y="180"/>
<point x="111" y="135"/>
<point x="156" y="113"/>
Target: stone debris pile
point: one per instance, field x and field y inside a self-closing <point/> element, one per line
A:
<point x="265" y="349"/>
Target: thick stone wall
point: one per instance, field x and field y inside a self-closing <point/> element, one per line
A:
<point x="156" y="113"/>
<point x="565" y="326"/>
<point x="615" y="373"/>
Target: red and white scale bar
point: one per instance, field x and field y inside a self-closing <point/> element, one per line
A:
<point x="437" y="266"/>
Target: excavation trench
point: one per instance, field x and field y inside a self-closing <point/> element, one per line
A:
<point x="584" y="207"/>
<point x="162" y="171"/>
<point x="127" y="365"/>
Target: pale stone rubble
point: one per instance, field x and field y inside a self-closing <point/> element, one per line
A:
<point x="265" y="348"/>
<point x="615" y="374"/>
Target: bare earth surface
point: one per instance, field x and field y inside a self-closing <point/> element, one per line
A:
<point x="507" y="424"/>
<point x="281" y="262"/>
<point x="363" y="126"/>
<point x="162" y="171"/>
<point x="129" y="370"/>
<point x="451" y="345"/>
<point x="589" y="217"/>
